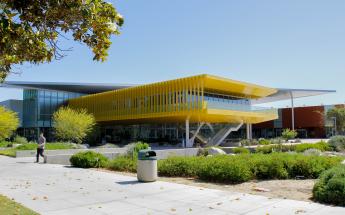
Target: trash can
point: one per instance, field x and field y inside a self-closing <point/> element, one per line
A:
<point x="147" y="166"/>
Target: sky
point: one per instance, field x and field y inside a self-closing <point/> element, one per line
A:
<point x="275" y="43"/>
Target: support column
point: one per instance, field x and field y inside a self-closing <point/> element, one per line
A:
<point x="187" y="133"/>
<point x="249" y="131"/>
<point x="292" y="112"/>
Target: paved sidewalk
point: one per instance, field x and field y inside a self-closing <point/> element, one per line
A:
<point x="55" y="189"/>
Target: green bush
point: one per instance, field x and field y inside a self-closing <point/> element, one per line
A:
<point x="330" y="187"/>
<point x="179" y="166"/>
<point x="263" y="141"/>
<point x="88" y="159"/>
<point x="337" y="143"/>
<point x="247" y="142"/>
<point x="223" y="168"/>
<point x="244" y="167"/>
<point x="310" y="166"/>
<point x="316" y="152"/>
<point x="202" y="152"/>
<point x="240" y="150"/>
<point x="277" y="140"/>
<point x="20" y="140"/>
<point x="322" y="146"/>
<point x="270" y="167"/>
<point x="134" y="148"/>
<point x="123" y="163"/>
<point x="289" y="134"/>
<point x="274" y="148"/>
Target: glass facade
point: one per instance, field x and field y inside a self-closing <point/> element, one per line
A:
<point x="38" y="108"/>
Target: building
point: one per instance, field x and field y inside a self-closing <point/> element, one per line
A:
<point x="310" y="122"/>
<point x="201" y="109"/>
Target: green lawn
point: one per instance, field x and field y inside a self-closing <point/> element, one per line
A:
<point x="33" y="146"/>
<point x="4" y="144"/>
<point x="10" y="207"/>
<point x="11" y="152"/>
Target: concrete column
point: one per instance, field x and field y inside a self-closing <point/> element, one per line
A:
<point x="187" y="133"/>
<point x="249" y="131"/>
<point x="292" y="112"/>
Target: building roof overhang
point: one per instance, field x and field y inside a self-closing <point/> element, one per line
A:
<point x="84" y="88"/>
<point x="288" y="94"/>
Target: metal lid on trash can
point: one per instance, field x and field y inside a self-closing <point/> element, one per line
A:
<point x="147" y="154"/>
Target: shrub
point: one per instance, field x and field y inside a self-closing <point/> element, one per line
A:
<point x="9" y="122"/>
<point x="223" y="168"/>
<point x="263" y="141"/>
<point x="123" y="163"/>
<point x="277" y="140"/>
<point x="134" y="148"/>
<point x="20" y="140"/>
<point x="72" y="125"/>
<point x="179" y="166"/>
<point x="315" y="152"/>
<point x="247" y="142"/>
<point x="236" y="169"/>
<point x="310" y="166"/>
<point x="202" y="152"/>
<point x="289" y="134"/>
<point x="330" y="187"/>
<point x="88" y="159"/>
<point x="337" y="143"/>
<point x="274" y="148"/>
<point x="240" y="150"/>
<point x="269" y="167"/>
<point x="322" y="146"/>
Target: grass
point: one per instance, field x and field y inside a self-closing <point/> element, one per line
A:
<point x="48" y="146"/>
<point x="5" y="144"/>
<point x="8" y="206"/>
<point x="11" y="152"/>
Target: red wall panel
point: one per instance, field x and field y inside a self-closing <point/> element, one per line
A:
<point x="304" y="117"/>
<point x="268" y="124"/>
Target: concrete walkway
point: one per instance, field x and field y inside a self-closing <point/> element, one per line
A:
<point x="55" y="189"/>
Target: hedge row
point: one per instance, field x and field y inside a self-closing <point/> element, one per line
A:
<point x="237" y="169"/>
<point x="322" y="146"/>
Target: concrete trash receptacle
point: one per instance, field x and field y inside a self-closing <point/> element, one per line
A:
<point x="147" y="166"/>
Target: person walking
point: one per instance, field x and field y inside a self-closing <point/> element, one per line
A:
<point x="40" y="147"/>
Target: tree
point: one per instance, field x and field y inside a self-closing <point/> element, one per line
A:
<point x="337" y="113"/>
<point x="30" y="30"/>
<point x="9" y="122"/>
<point x="72" y="124"/>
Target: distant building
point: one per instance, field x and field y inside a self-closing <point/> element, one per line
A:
<point x="310" y="122"/>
